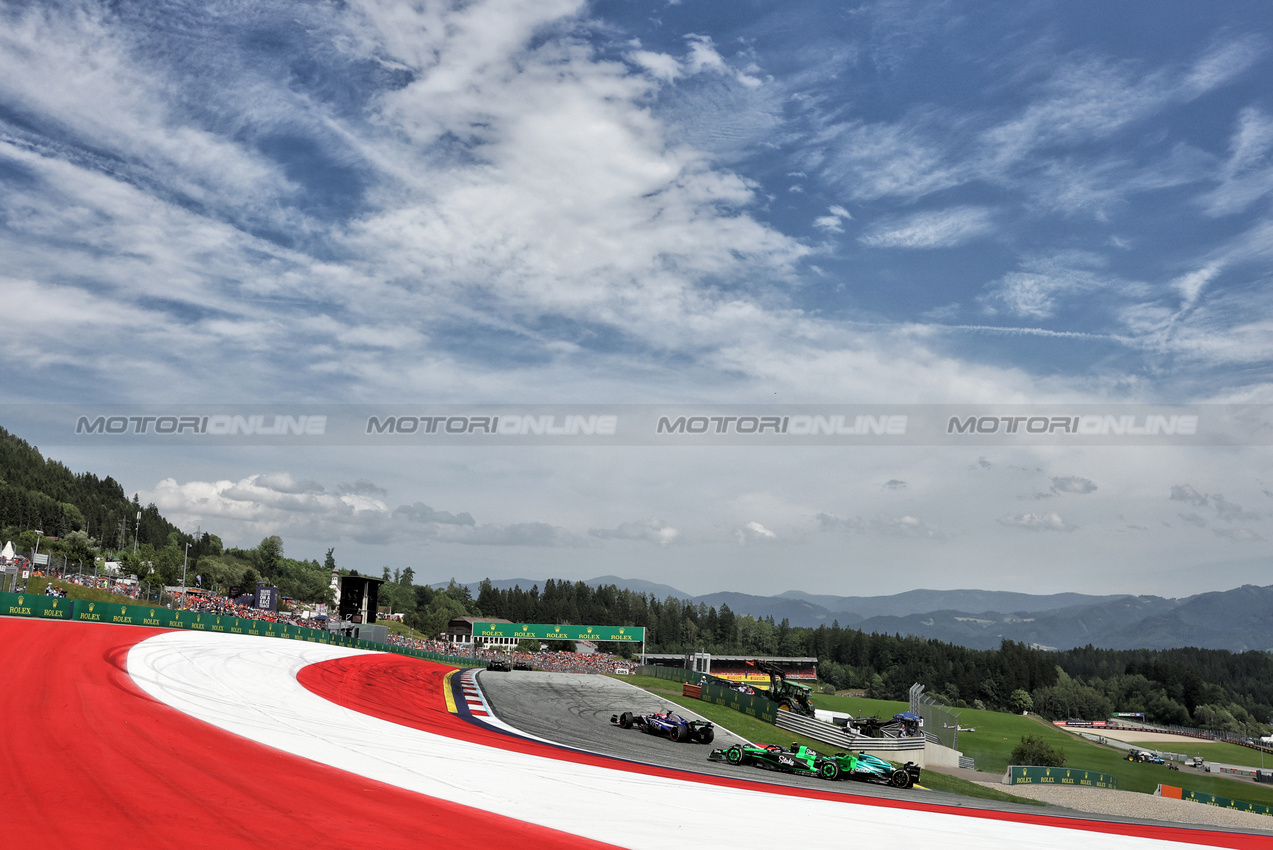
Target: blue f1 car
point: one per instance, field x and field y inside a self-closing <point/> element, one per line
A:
<point x="672" y="726"/>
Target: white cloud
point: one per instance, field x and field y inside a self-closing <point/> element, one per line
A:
<point x="1190" y="285"/>
<point x="1247" y="175"/>
<point x="873" y="161"/>
<point x="905" y="526"/>
<point x="279" y="503"/>
<point x="661" y="66"/>
<point x="1050" y="521"/>
<point x="938" y="229"/>
<point x="832" y="223"/>
<point x="1237" y="535"/>
<point x="1072" y="484"/>
<point x="754" y="532"/>
<point x="827" y="522"/>
<point x="422" y="513"/>
<point x="1230" y="512"/>
<point x="1044" y="283"/>
<point x="650" y="530"/>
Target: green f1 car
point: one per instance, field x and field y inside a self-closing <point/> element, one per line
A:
<point x="802" y="760"/>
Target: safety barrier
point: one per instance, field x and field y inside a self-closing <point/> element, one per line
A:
<point x="1177" y="793"/>
<point x="38" y="605"/>
<point x="717" y="691"/>
<point x="837" y="736"/>
<point x="761" y="708"/>
<point x="1059" y="776"/>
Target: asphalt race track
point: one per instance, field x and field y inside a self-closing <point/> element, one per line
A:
<point x="575" y="710"/>
<point x="117" y="735"/>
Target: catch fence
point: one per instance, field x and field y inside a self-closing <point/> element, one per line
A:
<point x="941" y="723"/>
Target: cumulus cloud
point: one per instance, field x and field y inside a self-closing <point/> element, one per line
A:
<point x="1072" y="484"/>
<point x="539" y="534"/>
<point x="422" y="513"/>
<point x="832" y="223"/>
<point x="1225" y="510"/>
<point x="1050" y="521"/>
<point x="905" y="526"/>
<point x="1237" y="535"/>
<point x="279" y="503"/>
<point x="285" y="482"/>
<point x="754" y="532"/>
<point x="650" y="530"/>
<point x="826" y="522"/>
<point x="362" y="487"/>
<point x="1185" y="493"/>
<point x="1231" y="512"/>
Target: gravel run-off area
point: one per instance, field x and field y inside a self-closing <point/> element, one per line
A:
<point x="1129" y="804"/>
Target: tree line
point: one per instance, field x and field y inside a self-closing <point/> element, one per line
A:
<point x="39" y="493"/>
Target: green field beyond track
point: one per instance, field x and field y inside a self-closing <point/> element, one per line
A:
<point x="997" y="734"/>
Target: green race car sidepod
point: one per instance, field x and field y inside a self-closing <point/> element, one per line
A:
<point x="800" y="759"/>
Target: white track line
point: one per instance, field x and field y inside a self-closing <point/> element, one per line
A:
<point x="247" y="685"/>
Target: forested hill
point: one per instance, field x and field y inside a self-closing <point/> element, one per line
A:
<point x="41" y="493"/>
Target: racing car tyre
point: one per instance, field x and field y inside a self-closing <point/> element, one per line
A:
<point x="706" y="736"/>
<point x="899" y="779"/>
<point x="829" y="770"/>
<point x="625" y="720"/>
<point x="678" y="733"/>
<point x="734" y="755"/>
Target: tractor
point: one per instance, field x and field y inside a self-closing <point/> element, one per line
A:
<point x="788" y="695"/>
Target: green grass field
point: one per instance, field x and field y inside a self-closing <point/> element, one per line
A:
<point x="1211" y="751"/>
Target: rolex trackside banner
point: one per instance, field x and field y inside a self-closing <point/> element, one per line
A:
<point x="642" y="425"/>
<point x="546" y="631"/>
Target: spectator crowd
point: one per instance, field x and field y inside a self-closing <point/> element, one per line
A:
<point x="553" y="662"/>
<point x="210" y="603"/>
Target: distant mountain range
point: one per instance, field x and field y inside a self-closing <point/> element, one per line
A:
<point x="1237" y="620"/>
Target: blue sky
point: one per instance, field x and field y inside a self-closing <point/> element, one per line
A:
<point x="621" y="202"/>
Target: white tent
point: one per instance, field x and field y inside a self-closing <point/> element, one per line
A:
<point x="8" y="552"/>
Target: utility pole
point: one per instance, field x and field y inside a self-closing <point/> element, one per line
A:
<point x="184" y="559"/>
<point x="136" y="526"/>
